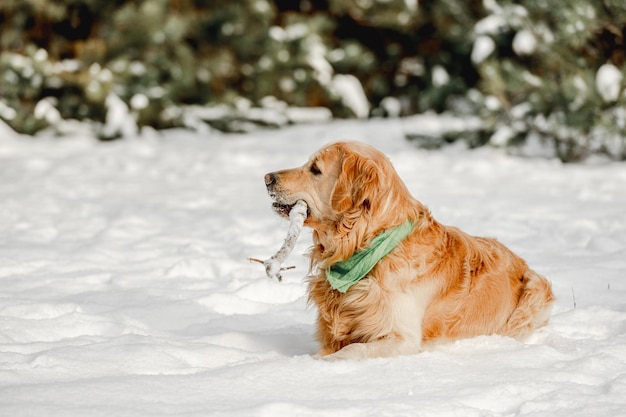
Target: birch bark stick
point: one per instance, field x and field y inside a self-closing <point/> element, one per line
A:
<point x="274" y="265"/>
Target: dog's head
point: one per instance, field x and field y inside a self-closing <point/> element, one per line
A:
<point x="352" y="192"/>
<point x="339" y="179"/>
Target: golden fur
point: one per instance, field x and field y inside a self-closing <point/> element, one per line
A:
<point x="438" y="284"/>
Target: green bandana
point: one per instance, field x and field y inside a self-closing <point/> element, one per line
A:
<point x="345" y="274"/>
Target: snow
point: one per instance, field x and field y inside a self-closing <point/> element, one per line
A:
<point x="118" y="119"/>
<point x="125" y="289"/>
<point x="6" y="112"/>
<point x="483" y="47"/>
<point x="490" y="25"/>
<point x="608" y="82"/>
<point x="350" y="90"/>
<point x="46" y="110"/>
<point x="298" y="115"/>
<point x="524" y="42"/>
<point x="392" y="106"/>
<point x="440" y="76"/>
<point x="139" y="101"/>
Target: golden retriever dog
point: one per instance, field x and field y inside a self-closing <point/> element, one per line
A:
<point x="437" y="283"/>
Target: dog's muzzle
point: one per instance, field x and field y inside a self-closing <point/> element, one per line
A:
<point x="270" y="181"/>
<point x="279" y="208"/>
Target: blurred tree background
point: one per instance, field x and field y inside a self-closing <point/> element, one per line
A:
<point x="550" y="71"/>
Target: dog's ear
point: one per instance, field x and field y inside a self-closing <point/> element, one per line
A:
<point x="357" y="184"/>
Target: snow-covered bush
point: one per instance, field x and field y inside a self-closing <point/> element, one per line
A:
<point x="159" y="57"/>
<point x="552" y="70"/>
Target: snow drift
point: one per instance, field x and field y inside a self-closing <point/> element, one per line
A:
<point x="125" y="289"/>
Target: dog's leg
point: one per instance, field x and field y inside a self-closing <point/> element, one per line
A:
<point x="387" y="347"/>
<point x="407" y="313"/>
<point x="533" y="309"/>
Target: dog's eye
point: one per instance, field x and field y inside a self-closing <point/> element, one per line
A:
<point x="315" y="170"/>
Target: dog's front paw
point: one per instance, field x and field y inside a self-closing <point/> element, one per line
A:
<point x="354" y="351"/>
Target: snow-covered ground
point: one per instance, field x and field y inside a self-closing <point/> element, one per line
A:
<point x="125" y="289"/>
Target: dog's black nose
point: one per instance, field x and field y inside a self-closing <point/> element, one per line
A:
<point x="270" y="179"/>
